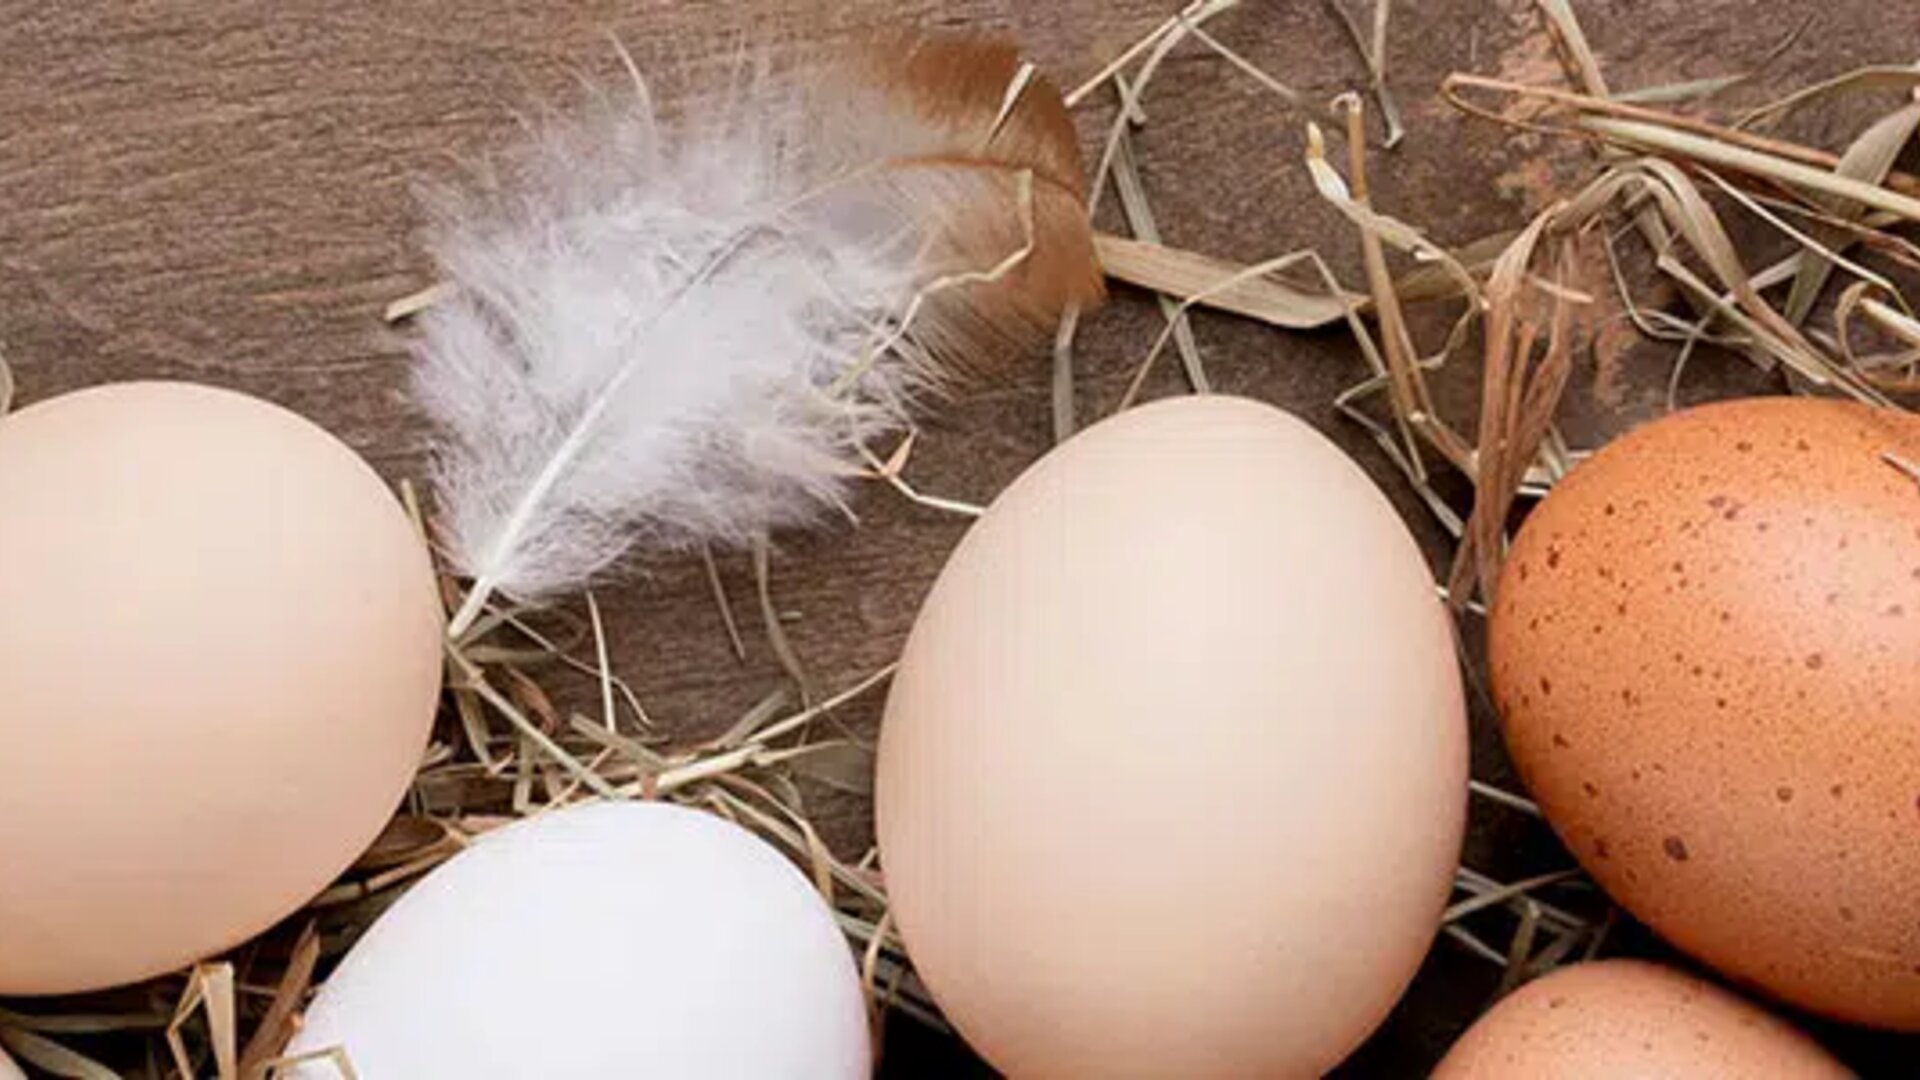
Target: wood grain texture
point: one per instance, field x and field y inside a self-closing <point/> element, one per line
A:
<point x="221" y="191"/>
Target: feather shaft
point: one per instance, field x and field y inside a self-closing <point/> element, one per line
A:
<point x="486" y="578"/>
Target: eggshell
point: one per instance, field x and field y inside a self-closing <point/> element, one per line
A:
<point x="1616" y="1019"/>
<point x="612" y="940"/>
<point x="219" y="660"/>
<point x="1704" y="648"/>
<point x="8" y="1070"/>
<point x="1171" y="778"/>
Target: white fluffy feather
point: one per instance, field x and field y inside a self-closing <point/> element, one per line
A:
<point x="668" y="337"/>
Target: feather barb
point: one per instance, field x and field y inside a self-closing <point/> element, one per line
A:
<point x="675" y="335"/>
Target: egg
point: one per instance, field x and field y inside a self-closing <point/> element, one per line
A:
<point x="1626" y="1018"/>
<point x="608" y="940"/>
<point x="1703" y="645"/>
<point x="1171" y="778"/>
<point x="219" y="661"/>
<point x="8" y="1070"/>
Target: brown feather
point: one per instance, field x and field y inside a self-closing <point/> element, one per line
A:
<point x="958" y="173"/>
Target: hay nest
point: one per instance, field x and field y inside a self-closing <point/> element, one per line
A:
<point x="1814" y="302"/>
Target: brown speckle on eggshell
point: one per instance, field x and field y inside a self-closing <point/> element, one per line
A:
<point x="1753" y="668"/>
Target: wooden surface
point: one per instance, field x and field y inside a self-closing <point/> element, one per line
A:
<point x="220" y="191"/>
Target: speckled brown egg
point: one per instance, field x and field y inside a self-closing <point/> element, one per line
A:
<point x="1625" y="1018"/>
<point x="1706" y="650"/>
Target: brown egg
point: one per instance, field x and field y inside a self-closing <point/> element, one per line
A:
<point x="1171" y="780"/>
<point x="1705" y="648"/>
<point x="1615" y="1019"/>
<point x="219" y="659"/>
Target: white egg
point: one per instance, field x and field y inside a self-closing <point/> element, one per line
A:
<point x="604" y="941"/>
<point x="8" y="1070"/>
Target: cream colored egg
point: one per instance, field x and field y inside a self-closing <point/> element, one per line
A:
<point x="219" y="659"/>
<point x="1172" y="776"/>
<point x="8" y="1070"/>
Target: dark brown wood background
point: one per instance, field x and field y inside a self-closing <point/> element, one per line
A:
<point x="219" y="190"/>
